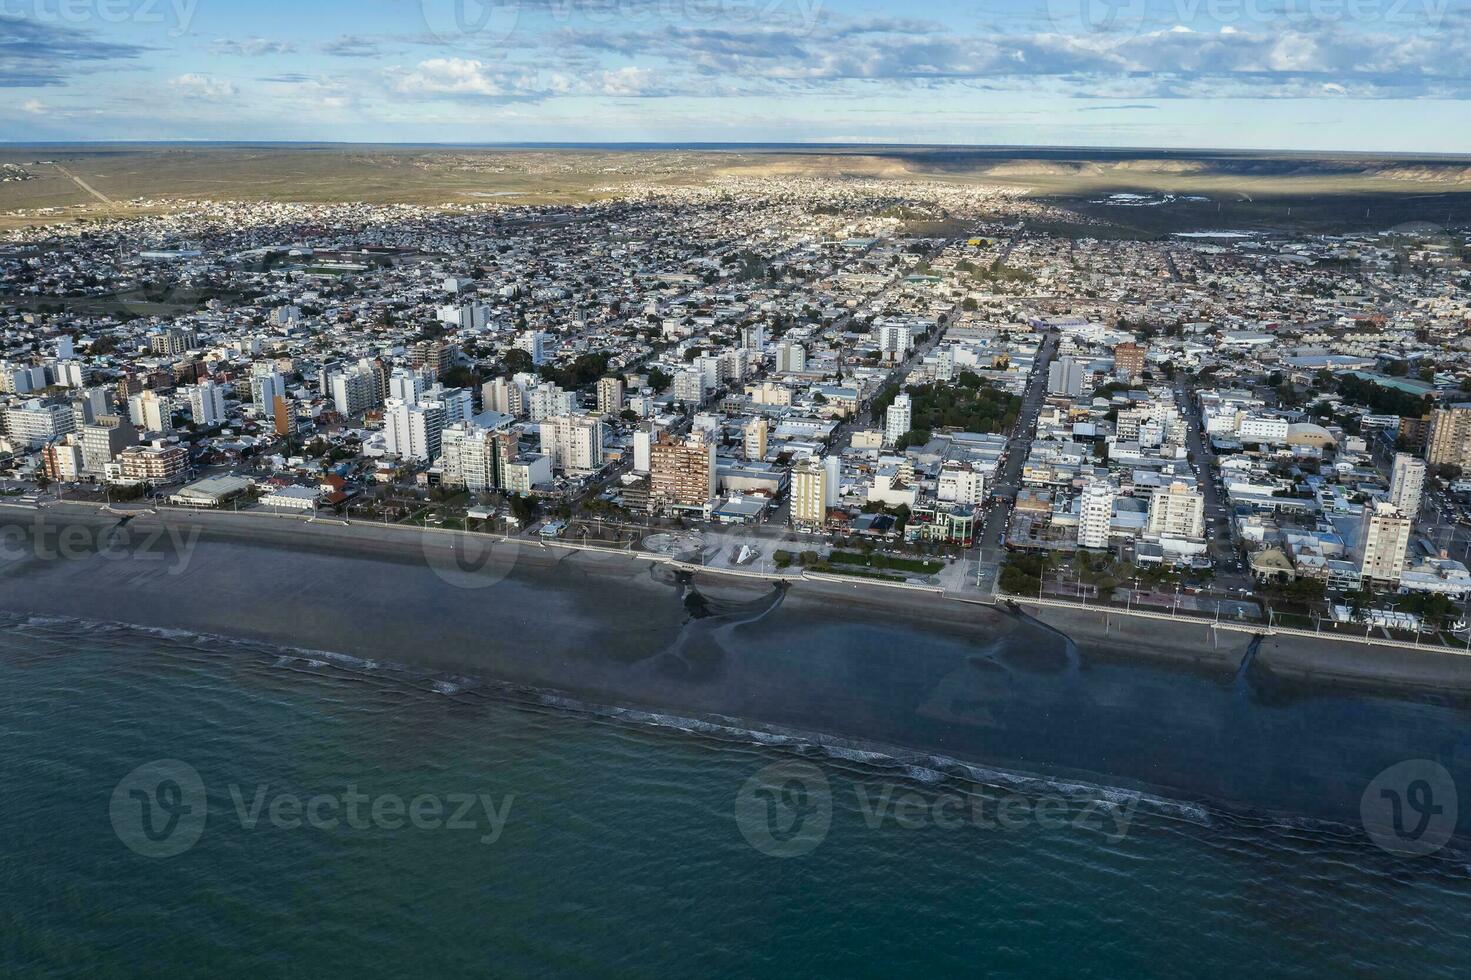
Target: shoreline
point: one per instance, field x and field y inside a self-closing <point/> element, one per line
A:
<point x="475" y="563"/>
<point x="1152" y="708"/>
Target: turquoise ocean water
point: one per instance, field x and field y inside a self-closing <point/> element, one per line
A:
<point x="617" y="844"/>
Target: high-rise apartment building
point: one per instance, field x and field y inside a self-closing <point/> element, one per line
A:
<point x="755" y="438"/>
<point x="898" y="418"/>
<point x="1065" y="377"/>
<point x="1095" y="516"/>
<point x="151" y="412"/>
<point x="1128" y="360"/>
<point x="471" y="456"/>
<point x="412" y="430"/>
<point x="791" y="358"/>
<point x="809" y="493"/>
<point x="356" y="390"/>
<point x="173" y="341"/>
<point x="1449" y="440"/>
<point x="34" y="423"/>
<point x="1384" y="539"/>
<point x="1407" y="484"/>
<point x="1176" y="511"/>
<point x="574" y="443"/>
<point x="682" y="473"/>
<point x="610" y="395"/>
<point x="207" y="403"/>
<point x="102" y="441"/>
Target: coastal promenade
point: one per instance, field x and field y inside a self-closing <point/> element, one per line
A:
<point x="408" y="533"/>
<point x="1255" y="629"/>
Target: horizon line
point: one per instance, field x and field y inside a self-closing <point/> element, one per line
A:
<point x="715" y="145"/>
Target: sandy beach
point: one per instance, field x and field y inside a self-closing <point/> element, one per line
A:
<point x="1144" y="704"/>
<point x="413" y="595"/>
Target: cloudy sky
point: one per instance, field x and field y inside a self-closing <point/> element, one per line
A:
<point x="1391" y="75"/>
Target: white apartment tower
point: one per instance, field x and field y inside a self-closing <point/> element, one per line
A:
<point x="470" y="456"/>
<point x="1177" y="512"/>
<point x="547" y="401"/>
<point x="35" y="423"/>
<point x="150" y="412"/>
<point x="897" y="418"/>
<point x="533" y="342"/>
<point x="266" y="385"/>
<point x="355" y="390"/>
<point x="412" y="431"/>
<point x="504" y="395"/>
<point x="791" y="358"/>
<point x="894" y="340"/>
<point x="689" y="388"/>
<point x="1065" y="377"/>
<point x="574" y="443"/>
<point x="610" y="395"/>
<point x="1383" y="542"/>
<point x="643" y="439"/>
<point x="207" y="403"/>
<point x="1095" y="518"/>
<point x="405" y="385"/>
<point x="1407" y="484"/>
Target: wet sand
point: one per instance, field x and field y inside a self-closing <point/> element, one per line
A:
<point x="526" y="614"/>
<point x="1157" y="706"/>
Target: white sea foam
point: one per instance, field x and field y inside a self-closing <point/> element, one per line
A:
<point x="916" y="767"/>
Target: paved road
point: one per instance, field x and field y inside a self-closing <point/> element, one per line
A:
<point x="1222" y="549"/>
<point x="989" y="550"/>
<point x="1174" y="269"/>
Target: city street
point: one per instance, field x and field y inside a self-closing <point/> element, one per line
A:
<point x="989" y="545"/>
<point x="1220" y="536"/>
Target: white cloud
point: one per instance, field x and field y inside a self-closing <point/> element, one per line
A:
<point x="462" y="78"/>
<point x="628" y="81"/>
<point x="253" y="47"/>
<point x="203" y="86"/>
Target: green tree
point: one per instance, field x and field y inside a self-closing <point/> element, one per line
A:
<point x="524" y="509"/>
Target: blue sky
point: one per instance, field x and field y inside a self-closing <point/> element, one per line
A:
<point x="1386" y="75"/>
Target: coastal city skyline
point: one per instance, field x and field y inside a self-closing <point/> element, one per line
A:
<point x="825" y="375"/>
<point x="735" y="488"/>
